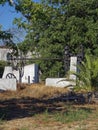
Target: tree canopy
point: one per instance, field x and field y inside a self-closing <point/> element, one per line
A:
<point x="51" y="25"/>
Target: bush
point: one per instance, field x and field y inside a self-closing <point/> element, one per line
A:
<point x="87" y="77"/>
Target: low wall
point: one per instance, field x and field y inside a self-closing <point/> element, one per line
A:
<point x="8" y="84"/>
<point x="63" y="82"/>
<point x="30" y="73"/>
<point x="58" y="82"/>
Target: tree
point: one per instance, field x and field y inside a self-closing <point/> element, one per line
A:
<point x="82" y="22"/>
<point x="51" y="25"/>
<point x="42" y="37"/>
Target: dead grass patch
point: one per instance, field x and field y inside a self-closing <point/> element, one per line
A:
<point x="28" y="108"/>
<point x="33" y="90"/>
<point x="41" y="91"/>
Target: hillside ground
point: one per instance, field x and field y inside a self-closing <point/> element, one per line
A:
<point x="33" y="107"/>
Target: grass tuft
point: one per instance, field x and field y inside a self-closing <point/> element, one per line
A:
<point x="70" y="115"/>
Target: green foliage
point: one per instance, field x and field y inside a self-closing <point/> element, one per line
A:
<point x="87" y="77"/>
<point x="51" y="25"/>
<point x="11" y="2"/>
<point x="72" y="115"/>
<point x="2" y="65"/>
<point x="5" y="35"/>
<point x="2" y="1"/>
<point x="24" y="128"/>
<point x="69" y="115"/>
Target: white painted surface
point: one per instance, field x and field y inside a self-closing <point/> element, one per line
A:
<point x="58" y="82"/>
<point x="16" y="73"/>
<point x="32" y="72"/>
<point x="8" y="84"/>
<point x="7" y="69"/>
<point x="73" y="67"/>
<point x="29" y="71"/>
<point x="3" y="53"/>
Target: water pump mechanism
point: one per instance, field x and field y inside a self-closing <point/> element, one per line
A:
<point x="16" y="60"/>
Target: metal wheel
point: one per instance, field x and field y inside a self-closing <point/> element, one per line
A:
<point x="10" y="76"/>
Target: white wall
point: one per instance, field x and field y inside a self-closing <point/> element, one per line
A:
<point x="3" y="53"/>
<point x="73" y="67"/>
<point x="8" y="84"/>
<point x="64" y="82"/>
<point x="30" y="73"/>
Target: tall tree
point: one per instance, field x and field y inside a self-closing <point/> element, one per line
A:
<point x="56" y="23"/>
<point x="42" y="37"/>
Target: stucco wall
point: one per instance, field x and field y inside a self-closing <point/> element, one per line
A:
<point x="30" y="73"/>
<point x="3" y="53"/>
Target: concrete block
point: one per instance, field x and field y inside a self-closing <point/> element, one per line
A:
<point x="73" y="67"/>
<point x="7" y="69"/>
<point x="58" y="82"/>
<point x="8" y="84"/>
<point x="30" y="73"/>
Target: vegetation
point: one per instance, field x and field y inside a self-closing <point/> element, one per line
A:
<point x="69" y="115"/>
<point x="30" y="108"/>
<point x="51" y="25"/>
<point x="87" y="76"/>
<point x="2" y="65"/>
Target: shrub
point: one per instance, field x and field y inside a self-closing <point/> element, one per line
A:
<point x="87" y="77"/>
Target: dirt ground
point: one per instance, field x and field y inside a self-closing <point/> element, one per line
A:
<point x="23" y="110"/>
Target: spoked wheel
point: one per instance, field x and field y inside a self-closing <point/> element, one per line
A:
<point x="11" y="76"/>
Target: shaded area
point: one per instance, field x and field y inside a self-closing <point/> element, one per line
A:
<point x="27" y="107"/>
<point x="24" y="107"/>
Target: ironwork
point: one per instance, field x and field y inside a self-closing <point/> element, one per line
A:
<point x="10" y="76"/>
<point x="18" y="61"/>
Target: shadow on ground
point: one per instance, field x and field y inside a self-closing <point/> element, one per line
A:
<point x="27" y="107"/>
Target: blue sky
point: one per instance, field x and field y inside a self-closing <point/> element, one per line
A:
<point x="7" y="14"/>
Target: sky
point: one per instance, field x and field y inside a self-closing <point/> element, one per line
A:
<point x="7" y="14"/>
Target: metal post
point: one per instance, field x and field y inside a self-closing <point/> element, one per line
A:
<point x="28" y="79"/>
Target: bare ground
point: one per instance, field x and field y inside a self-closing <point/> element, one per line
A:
<point x="24" y="108"/>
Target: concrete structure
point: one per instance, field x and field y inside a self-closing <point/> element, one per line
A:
<point x="64" y="82"/>
<point x="7" y="69"/>
<point x="59" y="82"/>
<point x="4" y="53"/>
<point x="73" y="67"/>
<point x="10" y="75"/>
<point x="8" y="84"/>
<point x="30" y="73"/>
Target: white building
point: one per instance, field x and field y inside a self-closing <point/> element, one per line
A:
<point x="30" y="72"/>
<point x="4" y="53"/>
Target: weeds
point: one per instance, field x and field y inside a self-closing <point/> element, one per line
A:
<point x="73" y="115"/>
<point x="1" y="119"/>
<point x="67" y="116"/>
<point x="23" y="128"/>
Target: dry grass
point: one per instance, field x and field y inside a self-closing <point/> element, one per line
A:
<point x="34" y="91"/>
<point x="41" y="91"/>
<point x="26" y="109"/>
